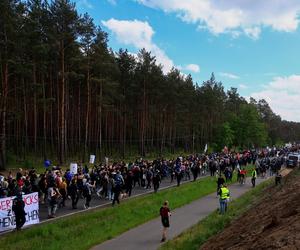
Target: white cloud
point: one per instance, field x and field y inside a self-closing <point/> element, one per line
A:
<point x="139" y="34"/>
<point x="283" y="95"/>
<point x="243" y="86"/>
<point x="234" y="16"/>
<point x="253" y="32"/>
<point x="229" y="75"/>
<point x="193" y="67"/>
<point x="85" y="4"/>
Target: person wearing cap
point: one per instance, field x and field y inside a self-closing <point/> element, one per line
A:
<point x="18" y="208"/>
<point x="224" y="194"/>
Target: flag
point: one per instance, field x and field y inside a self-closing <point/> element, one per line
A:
<point x="205" y="149"/>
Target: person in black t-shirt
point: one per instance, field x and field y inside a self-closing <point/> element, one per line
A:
<point x="18" y="208"/>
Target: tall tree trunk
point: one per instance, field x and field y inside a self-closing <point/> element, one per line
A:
<point x="44" y="119"/>
<point x="100" y="120"/>
<point x="87" y="115"/>
<point x="35" y="107"/>
<point x="143" y="121"/>
<point x="163" y="133"/>
<point x="3" y="118"/>
<point x="51" y="112"/>
<point x="124" y="134"/>
<point x="62" y="107"/>
<point x="79" y="115"/>
<point x="26" y="144"/>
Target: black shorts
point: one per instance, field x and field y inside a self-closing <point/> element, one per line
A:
<point x="165" y="222"/>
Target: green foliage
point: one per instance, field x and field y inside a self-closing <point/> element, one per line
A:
<point x="225" y="136"/>
<point x="197" y="235"/>
<point x="58" y="62"/>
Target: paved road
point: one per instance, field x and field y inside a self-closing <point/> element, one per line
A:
<point x="97" y="202"/>
<point x="148" y="235"/>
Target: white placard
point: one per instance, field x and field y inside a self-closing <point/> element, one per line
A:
<point x="7" y="217"/>
<point x="73" y="168"/>
<point x="92" y="159"/>
<point x="106" y="161"/>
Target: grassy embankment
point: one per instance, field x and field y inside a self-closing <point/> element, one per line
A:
<point x="84" y="230"/>
<point x="214" y="223"/>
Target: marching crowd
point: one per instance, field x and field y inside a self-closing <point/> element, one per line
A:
<point x="110" y="182"/>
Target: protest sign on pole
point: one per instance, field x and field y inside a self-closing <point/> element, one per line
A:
<point x="7" y="217"/>
<point x="106" y="161"/>
<point x="92" y="159"/>
<point x="73" y="168"/>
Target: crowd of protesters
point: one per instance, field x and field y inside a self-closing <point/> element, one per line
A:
<point x="113" y="181"/>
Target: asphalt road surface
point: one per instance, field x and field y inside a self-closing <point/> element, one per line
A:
<point x="98" y="202"/>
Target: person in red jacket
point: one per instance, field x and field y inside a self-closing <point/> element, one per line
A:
<point x="243" y="174"/>
<point x="165" y="214"/>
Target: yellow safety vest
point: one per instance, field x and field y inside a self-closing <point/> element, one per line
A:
<point x="224" y="193"/>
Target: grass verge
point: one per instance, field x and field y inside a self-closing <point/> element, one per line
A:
<point x="214" y="223"/>
<point x="85" y="230"/>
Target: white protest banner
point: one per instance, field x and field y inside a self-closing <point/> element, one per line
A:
<point x="7" y="217"/>
<point x="106" y="161"/>
<point x="73" y="168"/>
<point x="92" y="159"/>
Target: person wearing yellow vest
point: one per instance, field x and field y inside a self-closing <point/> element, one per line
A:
<point x="224" y="194"/>
<point x="254" y="176"/>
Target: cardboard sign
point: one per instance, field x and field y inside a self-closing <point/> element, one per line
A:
<point x="92" y="159"/>
<point x="73" y="168"/>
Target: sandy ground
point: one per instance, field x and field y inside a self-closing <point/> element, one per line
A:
<point x="272" y="223"/>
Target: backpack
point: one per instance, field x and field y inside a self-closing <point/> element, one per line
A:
<point x="85" y="191"/>
<point x="118" y="181"/>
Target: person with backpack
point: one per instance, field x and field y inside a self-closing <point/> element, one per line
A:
<point x="87" y="192"/>
<point x="119" y="182"/>
<point x="53" y="197"/>
<point x="165" y="214"/>
<point x="110" y="187"/>
<point x="18" y="208"/>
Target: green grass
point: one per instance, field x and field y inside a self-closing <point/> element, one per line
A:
<point x="85" y="230"/>
<point x="214" y="223"/>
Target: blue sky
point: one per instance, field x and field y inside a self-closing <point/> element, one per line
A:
<point x="252" y="45"/>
